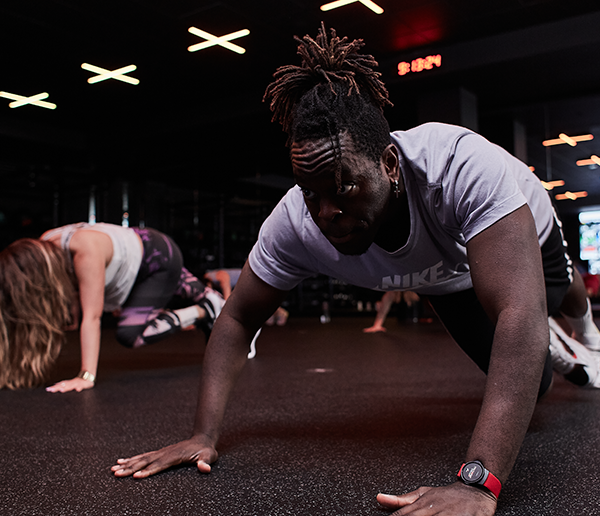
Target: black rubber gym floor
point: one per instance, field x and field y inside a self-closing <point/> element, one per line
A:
<point x="323" y="419"/>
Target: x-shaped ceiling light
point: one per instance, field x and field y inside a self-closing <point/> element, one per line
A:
<point x="222" y="41"/>
<point x="339" y="3"/>
<point x="569" y="140"/>
<point x="34" y="100"/>
<point x="550" y="185"/>
<point x="594" y="160"/>
<point x="572" y="196"/>
<point x="103" y="74"/>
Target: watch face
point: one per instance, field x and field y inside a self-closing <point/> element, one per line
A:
<point x="472" y="472"/>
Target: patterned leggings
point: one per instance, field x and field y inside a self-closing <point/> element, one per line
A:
<point x="161" y="278"/>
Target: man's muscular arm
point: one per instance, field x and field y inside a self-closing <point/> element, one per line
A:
<point x="251" y="303"/>
<point x="506" y="268"/>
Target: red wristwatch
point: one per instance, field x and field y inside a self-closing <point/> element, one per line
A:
<point x="474" y="474"/>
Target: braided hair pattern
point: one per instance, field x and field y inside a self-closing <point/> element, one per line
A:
<point x="336" y="89"/>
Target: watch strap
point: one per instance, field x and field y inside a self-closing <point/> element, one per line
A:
<point x="86" y="375"/>
<point x="489" y="481"/>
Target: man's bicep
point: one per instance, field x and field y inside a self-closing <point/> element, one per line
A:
<point x="506" y="265"/>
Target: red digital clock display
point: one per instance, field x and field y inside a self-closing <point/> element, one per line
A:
<point x="420" y="64"/>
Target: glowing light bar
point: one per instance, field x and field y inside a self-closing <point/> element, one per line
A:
<point x="104" y="75"/>
<point x="572" y="196"/>
<point x="594" y="160"/>
<point x="567" y="139"/>
<point x="340" y="3"/>
<point x="34" y="100"/>
<point x="222" y="41"/>
<point x="420" y="64"/>
<point x="571" y="140"/>
<point x="336" y="4"/>
<point x="549" y="185"/>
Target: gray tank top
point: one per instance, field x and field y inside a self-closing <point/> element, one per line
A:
<point x="123" y="268"/>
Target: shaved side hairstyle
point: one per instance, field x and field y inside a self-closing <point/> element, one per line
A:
<point x="335" y="90"/>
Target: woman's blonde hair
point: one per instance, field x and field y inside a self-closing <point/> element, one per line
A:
<point x="36" y="291"/>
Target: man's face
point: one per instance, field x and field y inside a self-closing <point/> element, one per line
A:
<point x="349" y="213"/>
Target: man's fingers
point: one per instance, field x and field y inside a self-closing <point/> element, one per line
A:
<point x="190" y="451"/>
<point x="389" y="501"/>
<point x="396" y="502"/>
<point x="125" y="461"/>
<point x="132" y="466"/>
<point x="203" y="467"/>
<point x="147" y="464"/>
<point x="145" y="473"/>
<point x="139" y="470"/>
<point x="122" y="471"/>
<point x="146" y="469"/>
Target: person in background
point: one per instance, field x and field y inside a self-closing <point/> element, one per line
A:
<point x="70" y="276"/>
<point x="224" y="280"/>
<point x="385" y="304"/>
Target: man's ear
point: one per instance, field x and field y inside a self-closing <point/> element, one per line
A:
<point x="391" y="162"/>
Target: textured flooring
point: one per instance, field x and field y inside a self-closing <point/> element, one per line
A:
<point x="323" y="419"/>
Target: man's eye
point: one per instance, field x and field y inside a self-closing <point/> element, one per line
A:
<point x="308" y="194"/>
<point x="345" y="188"/>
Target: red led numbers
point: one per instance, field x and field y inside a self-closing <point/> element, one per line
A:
<point x="403" y="68"/>
<point x="420" y="64"/>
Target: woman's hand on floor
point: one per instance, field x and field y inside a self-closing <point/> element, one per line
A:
<point x="75" y="384"/>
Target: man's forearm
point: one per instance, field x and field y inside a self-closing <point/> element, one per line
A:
<point x="225" y="357"/>
<point x="512" y="387"/>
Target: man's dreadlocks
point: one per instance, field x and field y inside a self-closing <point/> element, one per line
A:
<point x="335" y="90"/>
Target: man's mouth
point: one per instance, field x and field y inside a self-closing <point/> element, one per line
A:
<point x="340" y="239"/>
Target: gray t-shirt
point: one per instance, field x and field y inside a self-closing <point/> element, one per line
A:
<point x="458" y="184"/>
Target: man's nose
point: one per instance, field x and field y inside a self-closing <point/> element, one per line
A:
<point x="329" y="211"/>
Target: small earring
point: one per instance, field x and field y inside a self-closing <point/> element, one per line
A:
<point x="396" y="187"/>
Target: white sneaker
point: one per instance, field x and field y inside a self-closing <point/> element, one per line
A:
<point x="572" y="359"/>
<point x="212" y="302"/>
<point x="591" y="341"/>
<point x="166" y="323"/>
